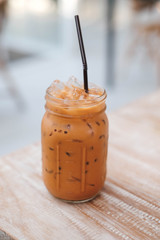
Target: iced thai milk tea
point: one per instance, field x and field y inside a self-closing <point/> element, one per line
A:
<point x="74" y="141"/>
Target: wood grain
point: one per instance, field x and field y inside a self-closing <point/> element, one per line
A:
<point x="127" y="208"/>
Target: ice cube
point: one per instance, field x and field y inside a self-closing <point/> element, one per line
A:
<point x="57" y="85"/>
<point x="94" y="89"/>
<point x="73" y="83"/>
<point x="56" y="88"/>
<point x="73" y="90"/>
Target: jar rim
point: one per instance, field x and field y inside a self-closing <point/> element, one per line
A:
<point x="71" y="103"/>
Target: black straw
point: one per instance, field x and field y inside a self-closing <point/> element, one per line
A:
<point x="82" y="50"/>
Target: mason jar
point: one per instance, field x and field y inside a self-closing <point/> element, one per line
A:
<point x="74" y="147"/>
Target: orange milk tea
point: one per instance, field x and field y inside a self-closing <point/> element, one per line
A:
<point x="74" y="141"/>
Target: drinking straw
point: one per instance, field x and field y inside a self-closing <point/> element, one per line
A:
<point x="82" y="50"/>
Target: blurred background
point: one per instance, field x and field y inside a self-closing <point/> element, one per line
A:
<point x="38" y="44"/>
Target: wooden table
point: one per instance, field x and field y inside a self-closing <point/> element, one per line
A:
<point x="128" y="206"/>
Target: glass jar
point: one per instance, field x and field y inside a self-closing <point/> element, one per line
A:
<point x="74" y="147"/>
